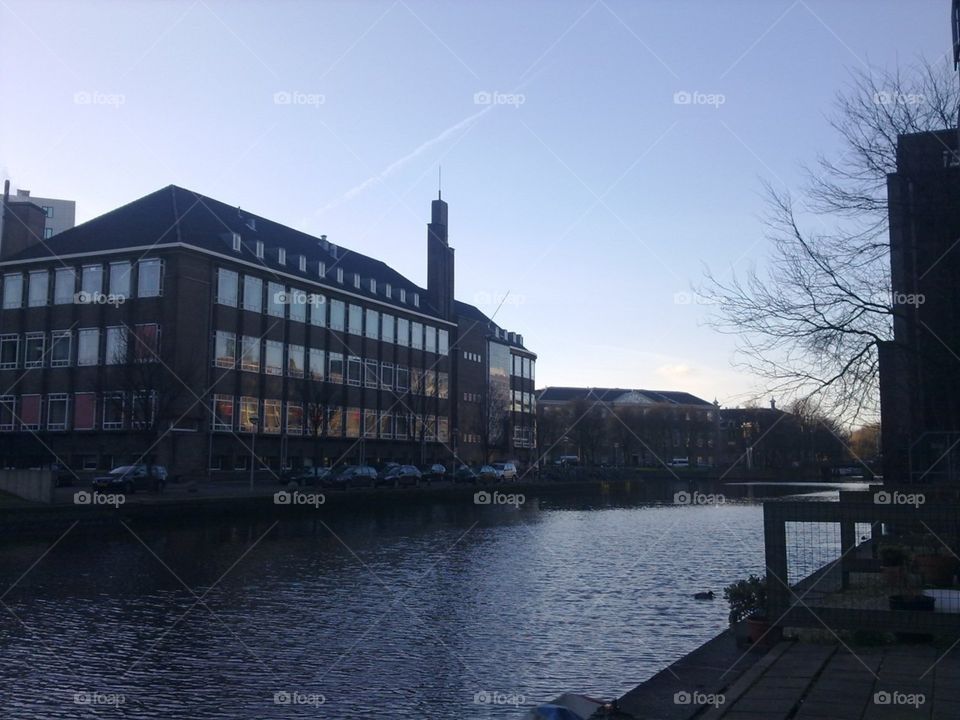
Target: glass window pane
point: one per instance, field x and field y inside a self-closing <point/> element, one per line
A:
<point x="252" y="293"/>
<point x="148" y="278"/>
<point x="39" y="291"/>
<point x="13" y="290"/>
<point x="64" y="285"/>
<point x="120" y="279"/>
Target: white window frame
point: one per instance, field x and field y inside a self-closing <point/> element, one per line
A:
<point x="10" y="338"/>
<point x="231" y="276"/>
<point x="65" y="399"/>
<point x="42" y="337"/>
<point x="56" y="335"/>
<point x="86" y="332"/>
<point x="148" y="263"/>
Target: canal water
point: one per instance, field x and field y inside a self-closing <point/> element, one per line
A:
<point x="442" y="610"/>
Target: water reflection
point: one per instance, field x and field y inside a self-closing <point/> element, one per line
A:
<point x="405" y="612"/>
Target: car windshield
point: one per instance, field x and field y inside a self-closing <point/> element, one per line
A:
<point x="122" y="470"/>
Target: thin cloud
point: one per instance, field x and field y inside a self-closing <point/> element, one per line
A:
<point x="397" y="164"/>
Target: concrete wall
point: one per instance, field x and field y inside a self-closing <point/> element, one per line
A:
<point x="35" y="485"/>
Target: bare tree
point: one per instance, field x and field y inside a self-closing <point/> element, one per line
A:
<point x="809" y="323"/>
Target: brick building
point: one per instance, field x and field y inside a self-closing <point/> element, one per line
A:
<point x="177" y="327"/>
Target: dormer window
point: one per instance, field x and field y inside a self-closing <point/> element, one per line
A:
<point x="260" y="249"/>
<point x="322" y="269"/>
<point x="373" y="285"/>
<point x="416" y="299"/>
<point x="236" y="242"/>
<point x="403" y="295"/>
<point x="252" y="223"/>
<point x="356" y="280"/>
<point x="388" y="291"/>
<point x="340" y="275"/>
<point x="303" y="263"/>
<point x="282" y="256"/>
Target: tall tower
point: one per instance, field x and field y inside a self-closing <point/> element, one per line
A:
<point x="439" y="260"/>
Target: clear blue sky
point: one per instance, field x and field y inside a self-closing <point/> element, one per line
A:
<point x="593" y="203"/>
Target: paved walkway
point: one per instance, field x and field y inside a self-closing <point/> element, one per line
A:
<point x="830" y="682"/>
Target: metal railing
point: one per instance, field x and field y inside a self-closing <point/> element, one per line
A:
<point x="825" y="562"/>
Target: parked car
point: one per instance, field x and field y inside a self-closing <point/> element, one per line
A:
<point x="306" y="476"/>
<point x="434" y="472"/>
<point x="384" y="468"/>
<point x="354" y="476"/>
<point x="487" y="473"/>
<point x="679" y="462"/>
<point x="404" y="476"/>
<point x="506" y="471"/>
<point x="465" y="474"/>
<point x="130" y="478"/>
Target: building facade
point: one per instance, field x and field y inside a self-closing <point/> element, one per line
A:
<point x="920" y="368"/>
<point x="617" y="426"/>
<point x="198" y="335"/>
<point x="59" y="215"/>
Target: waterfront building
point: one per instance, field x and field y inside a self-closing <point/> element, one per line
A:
<point x="627" y="427"/>
<point x="178" y="327"/>
<point x="920" y="367"/>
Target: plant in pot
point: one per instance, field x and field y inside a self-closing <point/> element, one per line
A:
<point x="748" y="605"/>
<point x="893" y="565"/>
<point x="935" y="563"/>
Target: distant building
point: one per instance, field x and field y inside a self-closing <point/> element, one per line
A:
<point x="920" y="368"/>
<point x="59" y="215"/>
<point x="180" y="327"/>
<point x="622" y="426"/>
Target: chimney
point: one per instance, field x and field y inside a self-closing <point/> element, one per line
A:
<point x="773" y="404"/>
<point x="440" y="267"/>
<point x="22" y="224"/>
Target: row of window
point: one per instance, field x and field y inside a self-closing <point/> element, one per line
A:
<point x="83" y="285"/>
<point x="284" y="302"/>
<point x="109" y="346"/>
<point x="237" y="243"/>
<point x="275" y="417"/>
<point x="524" y="367"/>
<point x="276" y="358"/>
<point x="525" y="402"/>
<point x="524" y="437"/>
<point x="79" y="411"/>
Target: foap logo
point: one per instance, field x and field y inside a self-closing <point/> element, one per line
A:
<point x="496" y="299"/>
<point x="95" y="97"/>
<point x="285" y="497"/>
<point x="915" y="299"/>
<point x="295" y="97"/>
<point x="493" y="697"/>
<point x="498" y="498"/>
<point x="886" y="497"/>
<point x="84" y="497"/>
<point x="698" y="498"/>
<point x="895" y="97"/>
<point x="297" y="298"/>
<point x="485" y="97"/>
<point x="692" y="298"/>
<point x="293" y="697"/>
<point x="88" y="697"/>
<point x="98" y="298"/>
<point x="884" y="697"/>
<point x="695" y="97"/>
<point x="698" y="698"/>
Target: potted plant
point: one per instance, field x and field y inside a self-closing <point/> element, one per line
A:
<point x="893" y="565"/>
<point x="935" y="568"/>
<point x="748" y="604"/>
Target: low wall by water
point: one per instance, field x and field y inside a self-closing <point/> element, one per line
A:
<point x="35" y="485"/>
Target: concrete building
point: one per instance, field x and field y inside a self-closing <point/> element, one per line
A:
<point x="59" y="215"/>
<point x="920" y="368"/>
<point x="179" y="327"/>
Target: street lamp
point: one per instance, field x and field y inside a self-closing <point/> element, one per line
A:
<point x="254" y="422"/>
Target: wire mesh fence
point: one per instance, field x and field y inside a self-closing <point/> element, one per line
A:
<point x="882" y="561"/>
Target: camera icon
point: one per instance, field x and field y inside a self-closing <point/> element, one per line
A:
<point x="682" y="298"/>
<point x="282" y="698"/>
<point x="82" y="497"/>
<point x="282" y="98"/>
<point x="282" y="497"/>
<point x="82" y="298"/>
<point x="482" y="98"/>
<point x="481" y="698"/>
<point x="881" y="697"/>
<point x="82" y="98"/>
<point x="682" y="97"/>
<point x="682" y="697"/>
<point x="681" y="498"/>
<point x="482" y="498"/>
<point x="882" y="498"/>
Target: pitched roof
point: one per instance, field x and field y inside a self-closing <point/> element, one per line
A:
<point x="174" y="214"/>
<point x="610" y="395"/>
